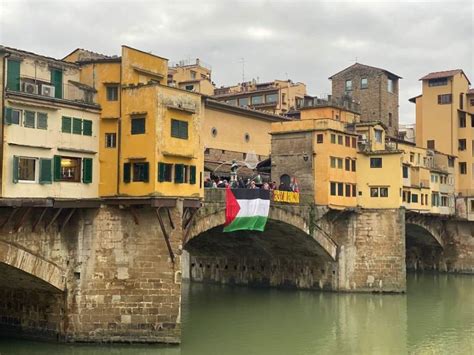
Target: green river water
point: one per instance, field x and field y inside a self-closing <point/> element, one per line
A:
<point x="436" y="316"/>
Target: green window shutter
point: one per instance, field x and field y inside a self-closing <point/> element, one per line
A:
<point x="87" y="170"/>
<point x="76" y="126"/>
<point x="8" y="115"/>
<point x="13" y="75"/>
<point x="126" y="172"/>
<point x="29" y="119"/>
<point x="46" y="171"/>
<point x="146" y="172"/>
<point x="66" y="124"/>
<point x="178" y="173"/>
<point x="192" y="174"/>
<point x="42" y="120"/>
<point x="15" y="169"/>
<point x="87" y="128"/>
<point x="161" y="172"/>
<point x="57" y="168"/>
<point x="57" y="82"/>
<point x="183" y="129"/>
<point x="174" y="128"/>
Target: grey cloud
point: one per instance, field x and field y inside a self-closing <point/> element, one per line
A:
<point x="303" y="40"/>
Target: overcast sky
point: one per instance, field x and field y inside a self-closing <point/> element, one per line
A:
<point x="304" y="41"/>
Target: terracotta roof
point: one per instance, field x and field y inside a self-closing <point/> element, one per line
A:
<point x="413" y="99"/>
<point x="26" y="53"/>
<point x="359" y="65"/>
<point x="470" y="92"/>
<point x="444" y="74"/>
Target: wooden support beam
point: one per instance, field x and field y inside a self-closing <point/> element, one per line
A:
<point x="165" y="234"/>
<point x="40" y="218"/>
<point x="68" y="217"/>
<point x="169" y="217"/>
<point x="134" y="215"/>
<point x="55" y="216"/>
<point x="20" y="222"/>
<point x="10" y="217"/>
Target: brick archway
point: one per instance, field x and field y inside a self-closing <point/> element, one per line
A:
<point x="431" y="229"/>
<point x="23" y="260"/>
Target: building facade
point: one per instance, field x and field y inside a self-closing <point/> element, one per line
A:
<point x="376" y="90"/>
<point x="445" y="123"/>
<point x="191" y="76"/>
<point x="50" y="145"/>
<point x="277" y="97"/>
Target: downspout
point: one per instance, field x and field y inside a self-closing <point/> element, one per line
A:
<point x="4" y="65"/>
<point x="119" y="132"/>
<point x="452" y="128"/>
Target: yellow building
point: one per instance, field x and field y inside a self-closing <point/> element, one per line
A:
<point x="277" y="97"/>
<point x="150" y="141"/>
<point x="344" y="110"/>
<point x="444" y="123"/>
<point x="191" y="76"/>
<point x="51" y="129"/>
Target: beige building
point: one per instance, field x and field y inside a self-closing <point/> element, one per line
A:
<point x="444" y="122"/>
<point x="276" y="97"/>
<point x="191" y="76"/>
<point x="51" y="129"/>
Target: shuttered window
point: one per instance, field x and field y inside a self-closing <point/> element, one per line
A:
<point x="8" y="115"/>
<point x="15" y="169"/>
<point x="179" y="129"/>
<point x="192" y="174"/>
<point x="87" y="170"/>
<point x="165" y="172"/>
<point x="57" y="168"/>
<point x="42" y="122"/>
<point x="138" y="125"/>
<point x="140" y="172"/>
<point x="76" y="126"/>
<point x="87" y="128"/>
<point x="57" y="82"/>
<point x="29" y="119"/>
<point x="66" y="124"/>
<point x="178" y="173"/>
<point x="127" y="172"/>
<point x="13" y="75"/>
<point x="46" y="171"/>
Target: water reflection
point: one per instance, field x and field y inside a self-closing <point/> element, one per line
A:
<point x="436" y="316"/>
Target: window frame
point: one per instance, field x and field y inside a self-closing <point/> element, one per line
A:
<point x="373" y="165"/>
<point x="112" y="92"/>
<point x="112" y="135"/>
<point x="133" y="128"/>
<point x="35" y="170"/>
<point x="364" y="85"/>
<point x="178" y="127"/>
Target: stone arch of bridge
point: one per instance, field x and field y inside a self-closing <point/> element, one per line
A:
<point x="29" y="270"/>
<point x="427" y="232"/>
<point x="292" y="223"/>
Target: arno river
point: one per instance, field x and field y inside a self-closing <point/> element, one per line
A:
<point x="436" y="316"/>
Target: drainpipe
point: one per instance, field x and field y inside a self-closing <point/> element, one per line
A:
<point x="4" y="65"/>
<point x="119" y="132"/>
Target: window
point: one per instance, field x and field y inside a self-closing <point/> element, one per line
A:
<point x="333" y="162"/>
<point x="333" y="189"/>
<point x="462" y="168"/>
<point x="179" y="129"/>
<point x="66" y="124"/>
<point x="405" y="172"/>
<point x="438" y="82"/>
<point x="445" y="99"/>
<point x="13" y="74"/>
<point x="76" y="126"/>
<point x="112" y="92"/>
<point x="384" y="192"/>
<point x="231" y="102"/>
<point x="348" y="141"/>
<point x="354" y="190"/>
<point x="193" y="74"/>
<point x="364" y="83"/>
<point x="140" y="172"/>
<point x="412" y="157"/>
<point x="257" y="100"/>
<point x="26" y="169"/>
<point x="189" y="87"/>
<point x="375" y="162"/>
<point x="354" y="142"/>
<point x="451" y="162"/>
<point x="179" y="173"/>
<point x="319" y="138"/>
<point x="353" y="165"/>
<point x="138" y="125"/>
<point x="42" y="120"/>
<point x="430" y="144"/>
<point x="462" y="119"/>
<point x="57" y="82"/>
<point x="271" y="98"/>
<point x="12" y="116"/>
<point x="348" y="190"/>
<point x="390" y="119"/>
<point x="390" y="85"/>
<point x="67" y="169"/>
<point x="374" y="192"/>
<point x="110" y="140"/>
<point x="461" y="144"/>
<point x="378" y="135"/>
<point x="348" y="164"/>
<point x="165" y="172"/>
<point x="333" y="138"/>
<point x="29" y="119"/>
<point x="340" y="189"/>
<point x="244" y="101"/>
<point x="247" y="137"/>
<point x="348" y="85"/>
<point x="471" y="102"/>
<point x="87" y="127"/>
<point x="414" y="198"/>
<point x="339" y="163"/>
<point x="339" y="140"/>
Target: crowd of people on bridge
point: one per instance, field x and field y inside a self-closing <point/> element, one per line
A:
<point x="255" y="183"/>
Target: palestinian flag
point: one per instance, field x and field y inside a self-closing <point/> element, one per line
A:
<point x="246" y="209"/>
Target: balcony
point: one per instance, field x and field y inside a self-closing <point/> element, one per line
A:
<point x="74" y="92"/>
